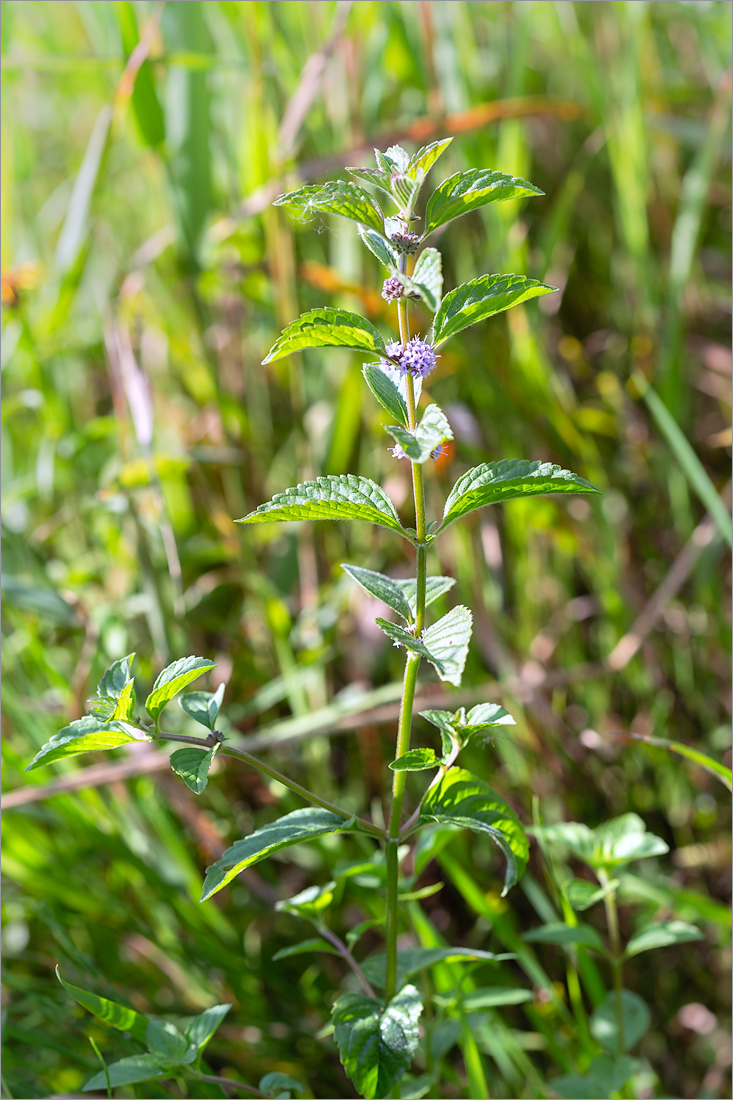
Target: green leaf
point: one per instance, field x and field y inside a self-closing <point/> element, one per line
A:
<point x="463" y="800"/>
<point x="389" y="386"/>
<point x="336" y="197"/>
<point x="405" y="191"/>
<point x="86" y="734"/>
<point x="377" y="1044"/>
<point x="374" y="176"/>
<point x="386" y="391"/>
<point x="463" y="726"/>
<point x="74" y="234"/>
<point x="415" y="760"/>
<point x="509" y="479"/>
<point x="636" y="1021"/>
<point x="582" y="894"/>
<point x="309" y="903"/>
<point x="444" y="644"/>
<point x="276" y="1083"/>
<point x="608" y="846"/>
<point x="124" y="1019"/>
<point x="413" y="960"/>
<point x="293" y="828"/>
<point x="395" y="156"/>
<point x="583" y="935"/>
<point x="422" y="161"/>
<point x="383" y="588"/>
<point x="605" y="1075"/>
<point x="480" y="299"/>
<point x="496" y="996"/>
<point x="115" y="698"/>
<point x="435" y="587"/>
<point x="173" y="679"/>
<point x="343" y="496"/>
<point x="193" y="766"/>
<point x="466" y="191"/>
<point x="720" y="771"/>
<point x="432" y="430"/>
<point x="145" y="103"/>
<point x="327" y="327"/>
<point x="168" y="1044"/>
<point x="203" y="1026"/>
<point x="315" y="943"/>
<point x="203" y="706"/>
<point x="128" y="1071"/>
<point x="662" y="934"/>
<point x="379" y="246"/>
<point x="354" y="934"/>
<point x="427" y="277"/>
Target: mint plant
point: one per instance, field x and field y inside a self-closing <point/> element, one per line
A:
<point x="377" y="1028"/>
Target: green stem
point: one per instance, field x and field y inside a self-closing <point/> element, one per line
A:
<point x="616" y="962"/>
<point x="412" y="665"/>
<point x="272" y="773"/>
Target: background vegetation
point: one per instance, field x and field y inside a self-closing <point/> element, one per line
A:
<point x="145" y="275"/>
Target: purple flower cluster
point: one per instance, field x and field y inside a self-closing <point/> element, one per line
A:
<point x="417" y="357"/>
<point x="392" y="289"/>
<point x="405" y="242"/>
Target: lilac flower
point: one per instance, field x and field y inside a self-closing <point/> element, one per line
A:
<point x="392" y="289"/>
<point x="418" y="358"/>
<point x="439" y="451"/>
<point x="397" y="451"/>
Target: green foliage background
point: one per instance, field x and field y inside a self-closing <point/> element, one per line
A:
<point x="145" y="275"/>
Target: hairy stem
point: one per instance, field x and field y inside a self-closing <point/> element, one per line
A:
<point x="272" y="773"/>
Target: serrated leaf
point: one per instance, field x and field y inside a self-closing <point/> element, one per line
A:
<point x="168" y="1044"/>
<point x="193" y="766"/>
<point x="128" y="1071"/>
<point x="304" y="947"/>
<point x="376" y="1044"/>
<point x="86" y="734"/>
<point x="309" y="903"/>
<point x="467" y="191"/>
<point x="115" y="693"/>
<point x="463" y="800"/>
<point x="557" y="932"/>
<point x="435" y="587"/>
<point x="607" y="847"/>
<point x="383" y="588"/>
<point x="174" y="678"/>
<point x="662" y="934"/>
<point x="379" y="246"/>
<point x="427" y="277"/>
<point x="115" y="678"/>
<point x="509" y="479"/>
<point x="413" y="960"/>
<point x="432" y="430"/>
<point x="374" y="176"/>
<point x="344" y="496"/>
<point x="293" y="828"/>
<point x="327" y="327"/>
<point x="203" y="706"/>
<point x="124" y="1019"/>
<point x="386" y="391"/>
<point x="415" y="760"/>
<point x="422" y="161"/>
<point x="397" y="156"/>
<point x="462" y="726"/>
<point x="405" y="190"/>
<point x="480" y="299"/>
<point x="636" y="1021"/>
<point x="445" y="644"/>
<point x="275" y="1083"/>
<point x="336" y="197"/>
<point x="203" y="1026"/>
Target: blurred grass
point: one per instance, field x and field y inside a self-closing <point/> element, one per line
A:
<point x="144" y="277"/>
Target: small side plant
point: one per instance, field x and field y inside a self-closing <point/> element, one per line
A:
<point x="377" y="1023"/>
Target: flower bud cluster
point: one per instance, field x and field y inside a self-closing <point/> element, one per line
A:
<point x="405" y="242"/>
<point x="392" y="289"/>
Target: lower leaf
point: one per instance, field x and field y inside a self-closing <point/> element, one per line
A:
<point x="87" y="734"/>
<point x="377" y="1043"/>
